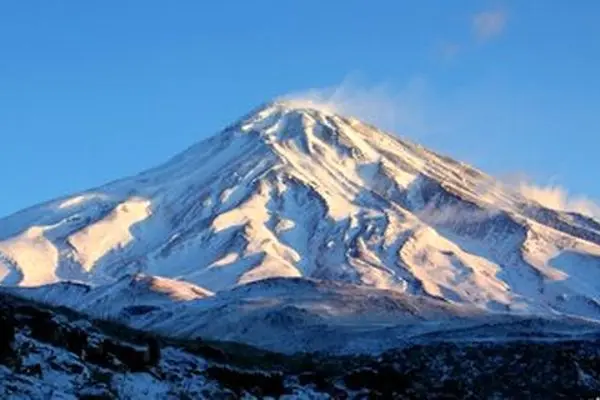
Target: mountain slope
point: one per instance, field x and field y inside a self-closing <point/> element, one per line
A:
<point x="295" y="191"/>
<point x="63" y="355"/>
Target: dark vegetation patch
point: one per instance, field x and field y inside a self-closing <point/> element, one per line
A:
<point x="43" y="325"/>
<point x="517" y="369"/>
<point x="256" y="383"/>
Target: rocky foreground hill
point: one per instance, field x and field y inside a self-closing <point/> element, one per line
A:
<point x="59" y="354"/>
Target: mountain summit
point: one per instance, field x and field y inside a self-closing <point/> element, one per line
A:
<point x="298" y="191"/>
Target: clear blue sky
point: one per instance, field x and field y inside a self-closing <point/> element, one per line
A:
<point x="93" y="91"/>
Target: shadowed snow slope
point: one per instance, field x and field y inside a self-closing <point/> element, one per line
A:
<point x="298" y="192"/>
<point x="300" y="314"/>
<point x="128" y="295"/>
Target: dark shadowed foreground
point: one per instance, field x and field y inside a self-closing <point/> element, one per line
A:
<point x="63" y="355"/>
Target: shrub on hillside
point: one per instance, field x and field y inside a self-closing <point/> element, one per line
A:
<point x="134" y="359"/>
<point x="385" y="380"/>
<point x="7" y="336"/>
<point x="255" y="383"/>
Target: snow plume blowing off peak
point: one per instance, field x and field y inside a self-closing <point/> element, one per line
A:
<point x="558" y="198"/>
<point x="392" y="111"/>
<point x="380" y="105"/>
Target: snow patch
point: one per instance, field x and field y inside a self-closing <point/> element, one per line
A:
<point x="114" y="231"/>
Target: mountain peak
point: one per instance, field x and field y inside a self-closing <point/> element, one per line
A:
<point x="306" y="122"/>
<point x="283" y="119"/>
<point x="296" y="190"/>
<point x="303" y="105"/>
<point x="297" y="106"/>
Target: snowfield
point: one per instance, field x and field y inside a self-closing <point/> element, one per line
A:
<point x="295" y="216"/>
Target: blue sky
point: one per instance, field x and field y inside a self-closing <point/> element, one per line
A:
<point x="93" y="91"/>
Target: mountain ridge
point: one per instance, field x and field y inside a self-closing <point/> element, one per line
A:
<point x="294" y="191"/>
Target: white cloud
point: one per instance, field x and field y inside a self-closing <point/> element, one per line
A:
<point x="381" y="105"/>
<point x="488" y="24"/>
<point x="449" y="50"/>
<point x="557" y="198"/>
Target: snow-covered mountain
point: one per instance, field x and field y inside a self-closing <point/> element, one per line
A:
<point x="294" y="190"/>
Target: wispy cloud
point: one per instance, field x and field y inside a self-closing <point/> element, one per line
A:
<point x="398" y="110"/>
<point x="552" y="196"/>
<point x="484" y="25"/>
<point x="558" y="198"/>
<point x="489" y="24"/>
<point x="449" y="50"/>
<point x="453" y="214"/>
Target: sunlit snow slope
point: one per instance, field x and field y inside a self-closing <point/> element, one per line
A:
<point x="295" y="191"/>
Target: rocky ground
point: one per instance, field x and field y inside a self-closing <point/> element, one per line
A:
<point x="58" y="354"/>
